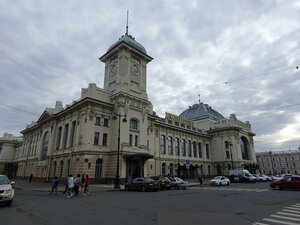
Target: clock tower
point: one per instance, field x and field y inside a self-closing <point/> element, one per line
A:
<point x="126" y="68"/>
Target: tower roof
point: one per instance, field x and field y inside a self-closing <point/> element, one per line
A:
<point x="128" y="39"/>
<point x="200" y="112"/>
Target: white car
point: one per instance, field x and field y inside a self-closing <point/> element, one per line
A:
<point x="219" y="180"/>
<point x="6" y="190"/>
<point x="178" y="183"/>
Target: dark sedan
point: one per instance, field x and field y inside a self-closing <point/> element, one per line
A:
<point x="142" y="184"/>
<point x="291" y="183"/>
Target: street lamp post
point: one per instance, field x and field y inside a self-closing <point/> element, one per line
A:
<point x="124" y="120"/>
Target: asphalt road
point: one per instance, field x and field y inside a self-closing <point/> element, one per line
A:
<point x="235" y="204"/>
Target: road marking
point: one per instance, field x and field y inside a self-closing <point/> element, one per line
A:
<point x="281" y="222"/>
<point x="256" y="223"/>
<point x="286" y="218"/>
<point x="288" y="214"/>
<point x="230" y="189"/>
<point x="292" y="211"/>
<point x="292" y="208"/>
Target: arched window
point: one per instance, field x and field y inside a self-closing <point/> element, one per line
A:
<point x="163" y="169"/>
<point x="134" y="124"/>
<point x="245" y="148"/>
<point x="45" y="145"/>
<point x="98" y="168"/>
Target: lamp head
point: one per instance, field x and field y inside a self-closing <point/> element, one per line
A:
<point x="114" y="117"/>
<point x="124" y="120"/>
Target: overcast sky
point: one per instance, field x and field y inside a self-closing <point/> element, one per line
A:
<point x="240" y="56"/>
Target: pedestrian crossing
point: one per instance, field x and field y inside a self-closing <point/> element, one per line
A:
<point x="231" y="189"/>
<point x="290" y="215"/>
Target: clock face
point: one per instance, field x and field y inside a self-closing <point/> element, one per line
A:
<point x="135" y="69"/>
<point x="113" y="69"/>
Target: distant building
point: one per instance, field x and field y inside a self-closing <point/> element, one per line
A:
<point x="285" y="162"/>
<point x="83" y="137"/>
<point x="9" y="144"/>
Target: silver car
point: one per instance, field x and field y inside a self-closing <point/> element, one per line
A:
<point x="6" y="190"/>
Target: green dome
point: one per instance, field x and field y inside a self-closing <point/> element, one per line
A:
<point x="200" y="112"/>
<point x="128" y="39"/>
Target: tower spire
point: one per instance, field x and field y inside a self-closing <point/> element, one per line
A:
<point x="127" y="24"/>
<point x="199" y="99"/>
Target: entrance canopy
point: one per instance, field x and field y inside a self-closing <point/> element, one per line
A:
<point x="143" y="156"/>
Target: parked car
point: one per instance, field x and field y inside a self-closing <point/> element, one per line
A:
<point x="165" y="183"/>
<point x="268" y="178"/>
<point x="178" y="183"/>
<point x="279" y="177"/>
<point x="289" y="182"/>
<point x="6" y="190"/>
<point x="219" y="180"/>
<point x="142" y="184"/>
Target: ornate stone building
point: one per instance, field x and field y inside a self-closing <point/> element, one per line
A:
<point x="117" y="123"/>
<point x="283" y="162"/>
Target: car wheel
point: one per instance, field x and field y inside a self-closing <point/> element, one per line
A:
<point x="143" y="189"/>
<point x="277" y="187"/>
<point x="126" y="188"/>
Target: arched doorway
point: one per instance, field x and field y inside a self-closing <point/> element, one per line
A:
<point x="219" y="170"/>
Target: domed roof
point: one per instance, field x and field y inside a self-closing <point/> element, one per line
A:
<point x="200" y="112"/>
<point x="128" y="39"/>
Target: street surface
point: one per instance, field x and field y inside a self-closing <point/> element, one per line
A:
<point x="235" y="204"/>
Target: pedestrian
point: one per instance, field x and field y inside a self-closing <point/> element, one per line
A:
<point x="54" y="183"/>
<point x="77" y="182"/>
<point x="87" y="182"/>
<point x="70" y="190"/>
<point x="30" y="178"/>
<point x="200" y="180"/>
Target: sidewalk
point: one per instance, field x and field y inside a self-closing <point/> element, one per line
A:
<point x="23" y="184"/>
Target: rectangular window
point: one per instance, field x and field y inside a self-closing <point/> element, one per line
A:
<point x="195" y="149"/>
<point x="207" y="151"/>
<point x="200" y="150"/>
<point x="130" y="139"/>
<point x="98" y="120"/>
<point x="72" y="133"/>
<point x="183" y="147"/>
<point x="66" y="133"/>
<point x="136" y="140"/>
<point x="170" y="146"/>
<point x="105" y="122"/>
<point x="104" y="140"/>
<point x="58" y="138"/>
<point x="190" y="148"/>
<point x="177" y="147"/>
<point x="163" y="144"/>
<point x="96" y="138"/>
<point x="227" y="155"/>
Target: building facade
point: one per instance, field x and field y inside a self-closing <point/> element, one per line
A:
<point x="285" y="162"/>
<point x="114" y="131"/>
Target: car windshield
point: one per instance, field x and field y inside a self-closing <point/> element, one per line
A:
<point x="3" y="180"/>
<point x="217" y="178"/>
